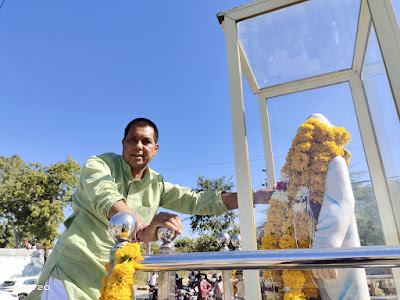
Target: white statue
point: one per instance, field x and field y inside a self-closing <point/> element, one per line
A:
<point x="337" y="228"/>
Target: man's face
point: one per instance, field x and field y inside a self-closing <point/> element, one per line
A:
<point x="139" y="147"/>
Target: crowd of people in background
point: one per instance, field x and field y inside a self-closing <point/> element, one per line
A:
<point x="381" y="287"/>
<point x="205" y="286"/>
<point x="200" y="283"/>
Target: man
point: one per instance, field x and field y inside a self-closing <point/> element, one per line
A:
<point x="153" y="280"/>
<point x="218" y="289"/>
<point x="204" y="287"/>
<point x="109" y="184"/>
<point x="192" y="278"/>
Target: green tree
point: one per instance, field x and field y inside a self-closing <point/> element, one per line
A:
<point x="366" y="211"/>
<point x="32" y="197"/>
<point x="6" y="235"/>
<point x="208" y="227"/>
<point x="185" y="245"/>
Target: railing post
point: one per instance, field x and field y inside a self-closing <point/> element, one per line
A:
<point x="223" y="240"/>
<point x="239" y="273"/>
<point x="121" y="228"/>
<point x="166" y="283"/>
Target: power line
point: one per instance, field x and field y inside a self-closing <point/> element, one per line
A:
<point x="204" y="165"/>
<point x="232" y="162"/>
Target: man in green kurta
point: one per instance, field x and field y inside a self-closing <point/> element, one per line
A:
<point x="111" y="183"/>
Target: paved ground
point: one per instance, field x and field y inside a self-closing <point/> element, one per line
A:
<point x="141" y="294"/>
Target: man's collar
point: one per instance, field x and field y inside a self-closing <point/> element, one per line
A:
<point x="146" y="174"/>
<point x="128" y="171"/>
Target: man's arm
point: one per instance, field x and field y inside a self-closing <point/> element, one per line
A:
<point x="120" y="206"/>
<point x="259" y="197"/>
<point x="209" y="286"/>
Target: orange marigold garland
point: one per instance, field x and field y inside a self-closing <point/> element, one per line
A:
<point x="290" y="220"/>
<point x="121" y="281"/>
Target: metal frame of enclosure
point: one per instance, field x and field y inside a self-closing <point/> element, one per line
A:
<point x="377" y="14"/>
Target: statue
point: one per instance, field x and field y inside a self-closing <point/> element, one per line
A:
<point x="337" y="228"/>
<point x="313" y="206"/>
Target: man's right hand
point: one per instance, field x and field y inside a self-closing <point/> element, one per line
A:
<point x="162" y="219"/>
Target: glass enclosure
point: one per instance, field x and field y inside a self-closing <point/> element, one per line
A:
<point x="335" y="102"/>
<point x="396" y="6"/>
<point x="339" y="59"/>
<point x="384" y="116"/>
<point x="305" y="40"/>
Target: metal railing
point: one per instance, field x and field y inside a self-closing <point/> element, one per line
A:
<point x="361" y="257"/>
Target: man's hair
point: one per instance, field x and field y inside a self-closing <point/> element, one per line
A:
<point x="142" y="122"/>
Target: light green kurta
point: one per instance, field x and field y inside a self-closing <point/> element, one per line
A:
<point x="80" y="254"/>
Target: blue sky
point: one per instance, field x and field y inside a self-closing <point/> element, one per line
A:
<point x="74" y="73"/>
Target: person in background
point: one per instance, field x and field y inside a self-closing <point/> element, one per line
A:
<point x="204" y="287"/>
<point x="178" y="281"/>
<point x="218" y="289"/>
<point x="213" y="279"/>
<point x="192" y="278"/>
<point x="153" y="280"/>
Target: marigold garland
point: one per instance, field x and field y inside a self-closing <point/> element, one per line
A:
<point x="120" y="284"/>
<point x="290" y="220"/>
<point x="294" y="295"/>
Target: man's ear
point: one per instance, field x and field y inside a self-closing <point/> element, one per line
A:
<point x="123" y="140"/>
<point x="156" y="149"/>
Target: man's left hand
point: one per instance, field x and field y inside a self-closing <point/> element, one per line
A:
<point x="262" y="196"/>
<point x="162" y="219"/>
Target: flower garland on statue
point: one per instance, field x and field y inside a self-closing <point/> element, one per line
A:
<point x="120" y="284"/>
<point x="290" y="217"/>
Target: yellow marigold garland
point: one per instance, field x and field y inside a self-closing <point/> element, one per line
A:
<point x="289" y="223"/>
<point x="120" y="284"/>
<point x="234" y="284"/>
<point x="294" y="295"/>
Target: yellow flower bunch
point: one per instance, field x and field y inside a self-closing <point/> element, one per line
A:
<point x="234" y="284"/>
<point x="124" y="234"/>
<point x="294" y="279"/>
<point x="120" y="284"/>
<point x="309" y="286"/>
<point x="289" y="224"/>
<point x="294" y="295"/>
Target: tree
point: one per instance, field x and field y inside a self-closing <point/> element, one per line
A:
<point x="6" y="235"/>
<point x="208" y="227"/>
<point x="32" y="197"/>
<point x="366" y="211"/>
<point x="185" y="245"/>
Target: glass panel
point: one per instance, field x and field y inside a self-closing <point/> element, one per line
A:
<point x="379" y="281"/>
<point x="396" y="7"/>
<point x="287" y="112"/>
<point x="303" y="40"/>
<point x="295" y="218"/>
<point x="384" y="117"/>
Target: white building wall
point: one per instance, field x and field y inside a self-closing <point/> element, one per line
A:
<point x="20" y="263"/>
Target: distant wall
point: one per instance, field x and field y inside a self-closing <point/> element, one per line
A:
<point x="20" y="263"/>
